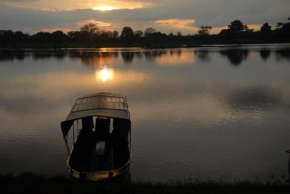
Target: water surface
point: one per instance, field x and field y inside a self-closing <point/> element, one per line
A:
<point x="207" y="113"/>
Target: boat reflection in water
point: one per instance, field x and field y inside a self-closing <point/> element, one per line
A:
<point x="288" y="166"/>
<point x="101" y="129"/>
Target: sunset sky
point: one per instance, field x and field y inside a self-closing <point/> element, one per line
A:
<point x="31" y="16"/>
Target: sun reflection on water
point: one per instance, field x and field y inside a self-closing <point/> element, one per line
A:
<point x="104" y="74"/>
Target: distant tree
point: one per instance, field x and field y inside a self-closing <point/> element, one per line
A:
<point x="104" y="34"/>
<point x="76" y="35"/>
<point x="266" y="28"/>
<point x="89" y="30"/>
<point x="204" y="30"/>
<point x="115" y="34"/>
<point x="149" y="32"/>
<point x="164" y="35"/>
<point x="249" y="30"/>
<point x="224" y="32"/>
<point x="42" y="37"/>
<point x="170" y="34"/>
<point x="20" y="36"/>
<point x="8" y="35"/>
<point x="58" y="35"/>
<point x="279" y="25"/>
<point x="179" y="34"/>
<point x="138" y="34"/>
<point x="283" y="29"/>
<point x="158" y="35"/>
<point x="237" y="27"/>
<point x="127" y="33"/>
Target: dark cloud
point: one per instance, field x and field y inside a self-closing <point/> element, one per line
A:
<point x="216" y="13"/>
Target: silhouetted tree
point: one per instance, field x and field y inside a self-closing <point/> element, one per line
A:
<point x="157" y="35"/>
<point x="7" y="36"/>
<point x="179" y="34"/>
<point x="236" y="31"/>
<point x="105" y="34"/>
<point x="58" y="36"/>
<point x="115" y="34"/>
<point x="42" y="37"/>
<point x="127" y="33"/>
<point x="89" y="30"/>
<point x="138" y="34"/>
<point x="170" y="34"/>
<point x="20" y="36"/>
<point x="237" y="27"/>
<point x="225" y="34"/>
<point x="149" y="32"/>
<point x="76" y="35"/>
<point x="204" y="30"/>
<point x="283" y="29"/>
<point x="266" y="28"/>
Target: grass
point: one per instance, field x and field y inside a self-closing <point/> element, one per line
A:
<point x="31" y="183"/>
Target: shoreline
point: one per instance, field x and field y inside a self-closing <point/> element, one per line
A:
<point x="158" y="44"/>
<point x="33" y="183"/>
<point x="139" y="47"/>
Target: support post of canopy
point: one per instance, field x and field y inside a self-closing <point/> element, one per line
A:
<point x="74" y="133"/>
<point x="65" y="139"/>
<point x="78" y="126"/>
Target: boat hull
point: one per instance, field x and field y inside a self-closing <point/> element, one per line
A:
<point x="120" y="175"/>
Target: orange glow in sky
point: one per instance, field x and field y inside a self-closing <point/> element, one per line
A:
<point x="104" y="8"/>
<point x="98" y="23"/>
<point x="56" y="5"/>
<point x="176" y="23"/>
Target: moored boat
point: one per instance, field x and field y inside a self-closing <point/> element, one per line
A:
<point x="101" y="137"/>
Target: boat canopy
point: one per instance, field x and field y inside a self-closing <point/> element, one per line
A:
<point x="99" y="104"/>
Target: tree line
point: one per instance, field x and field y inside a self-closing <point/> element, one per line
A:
<point x="236" y="31"/>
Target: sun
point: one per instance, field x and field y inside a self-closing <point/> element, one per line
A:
<point x="104" y="8"/>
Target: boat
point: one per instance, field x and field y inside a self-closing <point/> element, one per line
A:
<point x="100" y="144"/>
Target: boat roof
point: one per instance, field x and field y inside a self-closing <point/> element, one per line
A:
<point x="100" y="104"/>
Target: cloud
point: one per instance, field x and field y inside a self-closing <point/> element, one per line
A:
<point x="98" y="23"/>
<point x="17" y="0"/>
<point x="56" y="5"/>
<point x="164" y="15"/>
<point x="176" y="23"/>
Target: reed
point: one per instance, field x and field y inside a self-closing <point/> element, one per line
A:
<point x="31" y="183"/>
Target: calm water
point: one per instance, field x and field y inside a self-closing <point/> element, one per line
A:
<point x="207" y="113"/>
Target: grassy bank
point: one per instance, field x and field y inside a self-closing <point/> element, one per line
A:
<point x="33" y="183"/>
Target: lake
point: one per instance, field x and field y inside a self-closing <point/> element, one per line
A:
<point x="217" y="113"/>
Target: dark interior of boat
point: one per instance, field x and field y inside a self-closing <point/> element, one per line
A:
<point x="99" y="149"/>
